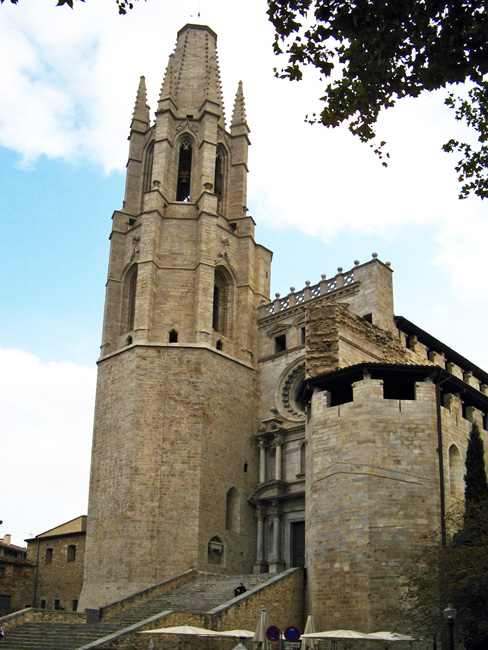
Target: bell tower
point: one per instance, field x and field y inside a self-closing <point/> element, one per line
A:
<point x="173" y="457"/>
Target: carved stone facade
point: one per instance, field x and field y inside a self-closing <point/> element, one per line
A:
<point x="236" y="433"/>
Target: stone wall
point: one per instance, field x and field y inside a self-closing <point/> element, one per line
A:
<point x="16" y="582"/>
<point x="336" y="338"/>
<point x="168" y="446"/>
<point x="31" y="615"/>
<point x="372" y="493"/>
<point x="283" y="601"/>
<point x="59" y="577"/>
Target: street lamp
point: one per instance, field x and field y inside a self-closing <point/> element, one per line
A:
<point x="450" y="614"/>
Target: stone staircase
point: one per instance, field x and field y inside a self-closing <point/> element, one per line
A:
<point x="198" y="597"/>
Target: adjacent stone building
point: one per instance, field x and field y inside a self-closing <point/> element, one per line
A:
<point x="234" y="433"/>
<point x="59" y="558"/>
<point x="16" y="573"/>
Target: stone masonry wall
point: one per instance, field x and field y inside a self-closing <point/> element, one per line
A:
<point x="59" y="579"/>
<point x="16" y="582"/>
<point x="371" y="493"/>
<point x="336" y="338"/>
<point x="168" y="446"/>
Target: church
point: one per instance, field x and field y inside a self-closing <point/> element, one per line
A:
<point x="239" y="434"/>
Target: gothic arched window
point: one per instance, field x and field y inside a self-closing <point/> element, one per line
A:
<point x="184" y="170"/>
<point x="131" y="290"/>
<point x="222" y="298"/>
<point x="219" y="180"/>
<point x="148" y="167"/>
<point x="219" y="174"/>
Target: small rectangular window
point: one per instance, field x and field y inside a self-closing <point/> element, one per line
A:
<point x="71" y="554"/>
<point x="280" y="343"/>
<point x="43" y="603"/>
<point x="2" y="571"/>
<point x="74" y="604"/>
<point x="302" y="335"/>
<point x="57" y="603"/>
<point x="4" y="601"/>
<point x="49" y="556"/>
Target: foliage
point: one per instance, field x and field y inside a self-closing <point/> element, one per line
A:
<point x="475" y="521"/>
<point x="473" y="166"/>
<point x="458" y="572"/>
<point x="374" y="52"/>
<point x="123" y="5"/>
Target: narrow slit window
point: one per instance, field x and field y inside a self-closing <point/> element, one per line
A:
<point x="131" y="307"/>
<point x="221" y="297"/>
<point x="184" y="171"/>
<point x="219" y="175"/>
<point x="216" y="308"/>
<point x="148" y="168"/>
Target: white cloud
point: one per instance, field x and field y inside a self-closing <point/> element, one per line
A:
<point x="463" y="255"/>
<point x="46" y="418"/>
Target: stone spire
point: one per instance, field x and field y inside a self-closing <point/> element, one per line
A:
<point x="239" y="114"/>
<point x="193" y="77"/>
<point x="140" y="116"/>
<point x="167" y="88"/>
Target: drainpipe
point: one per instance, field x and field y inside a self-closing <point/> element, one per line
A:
<point x="34" y="591"/>
<point x="441" y="458"/>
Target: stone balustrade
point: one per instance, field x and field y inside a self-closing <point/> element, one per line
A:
<point x="295" y="298"/>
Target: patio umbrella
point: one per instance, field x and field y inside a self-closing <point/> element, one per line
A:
<point x="310" y="643"/>
<point x="238" y="634"/>
<point x="337" y="634"/>
<point x="390" y="637"/>
<point x="260" y="640"/>
<point x="181" y="629"/>
<point x="344" y="636"/>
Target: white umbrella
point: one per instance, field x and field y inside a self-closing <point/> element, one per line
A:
<point x="390" y="636"/>
<point x="238" y="634"/>
<point x="181" y="629"/>
<point x="342" y="635"/>
<point x="260" y="640"/>
<point x="310" y="629"/>
<point x="337" y="634"/>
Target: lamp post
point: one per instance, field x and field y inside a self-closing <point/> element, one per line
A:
<point x="450" y="614"/>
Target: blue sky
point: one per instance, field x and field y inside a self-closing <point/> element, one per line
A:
<point x="320" y="200"/>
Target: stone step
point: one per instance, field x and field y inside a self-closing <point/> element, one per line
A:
<point x="205" y="593"/>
